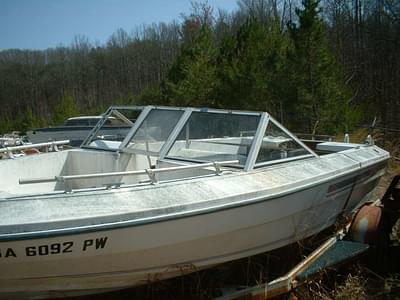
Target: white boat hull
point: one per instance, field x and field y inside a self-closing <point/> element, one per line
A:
<point x="134" y="255"/>
<point x="186" y="189"/>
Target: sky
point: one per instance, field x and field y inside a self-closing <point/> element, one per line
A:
<point x="41" y="24"/>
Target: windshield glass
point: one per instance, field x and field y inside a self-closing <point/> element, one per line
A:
<point x="211" y="136"/>
<point x="276" y="145"/>
<point x="155" y="130"/>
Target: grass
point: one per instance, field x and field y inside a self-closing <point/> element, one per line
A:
<point x="360" y="280"/>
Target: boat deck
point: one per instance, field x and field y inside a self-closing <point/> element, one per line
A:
<point x="59" y="210"/>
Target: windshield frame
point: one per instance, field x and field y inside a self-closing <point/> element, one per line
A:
<point x="164" y="154"/>
<point x="112" y="111"/>
<point x="138" y="125"/>
<point x="254" y="148"/>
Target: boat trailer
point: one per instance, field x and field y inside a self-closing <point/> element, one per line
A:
<point x="369" y="230"/>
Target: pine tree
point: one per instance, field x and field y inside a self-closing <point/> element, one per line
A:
<point x="149" y="96"/>
<point x="252" y="67"/>
<point x="192" y="80"/>
<point x="5" y="125"/>
<point x="65" y="109"/>
<point x="28" y="121"/>
<point x="321" y="95"/>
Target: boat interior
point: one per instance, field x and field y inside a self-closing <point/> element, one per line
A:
<point x="164" y="143"/>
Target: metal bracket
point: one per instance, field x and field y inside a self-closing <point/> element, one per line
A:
<point x="152" y="176"/>
<point x="217" y="168"/>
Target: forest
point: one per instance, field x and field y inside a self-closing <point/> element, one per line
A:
<point x="318" y="66"/>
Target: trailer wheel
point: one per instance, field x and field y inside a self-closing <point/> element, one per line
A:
<point x="366" y="226"/>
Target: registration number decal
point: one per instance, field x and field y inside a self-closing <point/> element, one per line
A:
<point x="66" y="247"/>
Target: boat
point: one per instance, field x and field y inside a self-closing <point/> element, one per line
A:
<point x="187" y="189"/>
<point x="27" y="148"/>
<point x="76" y="129"/>
<point x="10" y="141"/>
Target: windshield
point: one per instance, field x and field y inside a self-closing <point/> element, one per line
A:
<point x="154" y="130"/>
<point x="197" y="135"/>
<point x="211" y="136"/>
<point x="111" y="129"/>
<point x="277" y="145"/>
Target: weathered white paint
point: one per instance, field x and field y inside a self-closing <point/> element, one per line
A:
<point x="83" y="235"/>
<point x="283" y="204"/>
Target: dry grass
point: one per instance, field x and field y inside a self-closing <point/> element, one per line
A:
<point x="351" y="282"/>
<point x="352" y="288"/>
<point x="333" y="285"/>
<point x="357" y="281"/>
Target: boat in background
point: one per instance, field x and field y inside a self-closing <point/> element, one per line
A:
<point x="76" y="129"/>
<point x="31" y="149"/>
<point x="9" y="141"/>
<point x="186" y="189"/>
<point x="12" y="139"/>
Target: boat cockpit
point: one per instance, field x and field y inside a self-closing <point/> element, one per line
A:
<point x="164" y="143"/>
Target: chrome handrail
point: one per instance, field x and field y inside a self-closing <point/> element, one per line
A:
<point x="149" y="172"/>
<point x="38" y="145"/>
